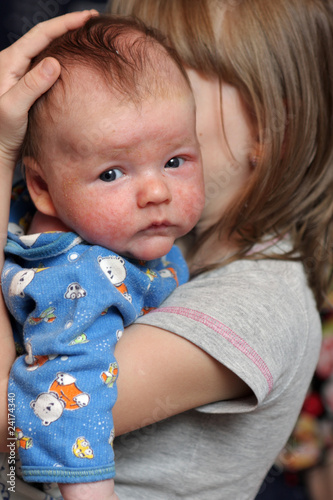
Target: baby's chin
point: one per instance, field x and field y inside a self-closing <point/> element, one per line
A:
<point x="149" y="252"/>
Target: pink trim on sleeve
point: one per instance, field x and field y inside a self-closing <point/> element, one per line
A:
<point x="226" y="333"/>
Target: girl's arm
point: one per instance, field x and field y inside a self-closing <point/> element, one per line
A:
<point x="18" y="91"/>
<point x="162" y="374"/>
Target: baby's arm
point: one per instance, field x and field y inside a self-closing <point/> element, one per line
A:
<point x="64" y="385"/>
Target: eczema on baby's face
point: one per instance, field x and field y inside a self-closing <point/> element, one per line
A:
<point x="124" y="174"/>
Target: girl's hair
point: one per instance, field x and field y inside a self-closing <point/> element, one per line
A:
<point x="279" y="55"/>
<point x="131" y="58"/>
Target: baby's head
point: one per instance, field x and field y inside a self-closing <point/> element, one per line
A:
<point x="111" y="148"/>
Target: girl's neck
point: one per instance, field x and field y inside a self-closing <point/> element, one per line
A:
<point x="214" y="250"/>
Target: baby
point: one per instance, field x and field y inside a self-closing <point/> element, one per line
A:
<point x="113" y="167"/>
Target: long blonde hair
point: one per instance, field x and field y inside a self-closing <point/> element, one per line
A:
<point x="279" y="56"/>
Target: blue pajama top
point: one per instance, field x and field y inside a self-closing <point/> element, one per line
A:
<point x="70" y="302"/>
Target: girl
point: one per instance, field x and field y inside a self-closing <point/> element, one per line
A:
<point x="242" y="338"/>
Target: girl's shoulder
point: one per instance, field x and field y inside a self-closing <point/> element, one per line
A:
<point x="258" y="318"/>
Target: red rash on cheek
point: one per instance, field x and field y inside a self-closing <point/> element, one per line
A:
<point x="98" y="221"/>
<point x="70" y="201"/>
<point x="191" y="203"/>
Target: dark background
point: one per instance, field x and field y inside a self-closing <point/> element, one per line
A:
<point x="18" y="16"/>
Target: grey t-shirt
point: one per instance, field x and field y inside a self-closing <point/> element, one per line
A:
<point x="259" y="319"/>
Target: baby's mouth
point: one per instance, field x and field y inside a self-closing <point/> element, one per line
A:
<point x="158" y="227"/>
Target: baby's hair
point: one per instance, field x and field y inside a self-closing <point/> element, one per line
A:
<point x="130" y="58"/>
<point x="279" y="56"/>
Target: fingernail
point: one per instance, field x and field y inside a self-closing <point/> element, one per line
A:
<point x="48" y="67"/>
<point x="91" y="12"/>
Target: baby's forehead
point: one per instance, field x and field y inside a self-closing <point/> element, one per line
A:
<point x="132" y="77"/>
<point x="82" y="83"/>
<point x="82" y="89"/>
<point x="85" y="110"/>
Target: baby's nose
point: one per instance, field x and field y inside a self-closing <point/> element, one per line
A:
<point x="153" y="191"/>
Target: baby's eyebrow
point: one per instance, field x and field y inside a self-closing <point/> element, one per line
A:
<point x="84" y="146"/>
<point x="77" y="150"/>
<point x="90" y="143"/>
<point x="188" y="140"/>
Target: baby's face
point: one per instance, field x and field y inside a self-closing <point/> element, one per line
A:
<point x="125" y="176"/>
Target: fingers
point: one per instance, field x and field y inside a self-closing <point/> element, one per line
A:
<point x="18" y="89"/>
<point x="43" y="33"/>
<point x="32" y="85"/>
<point x="16" y="103"/>
<point x="16" y="58"/>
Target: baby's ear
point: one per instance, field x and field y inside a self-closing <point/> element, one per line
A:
<point x="37" y="186"/>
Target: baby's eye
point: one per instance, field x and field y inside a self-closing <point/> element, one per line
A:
<point x="174" y="162"/>
<point x="111" y="175"/>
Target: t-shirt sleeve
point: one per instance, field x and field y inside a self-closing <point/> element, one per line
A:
<point x="253" y="322"/>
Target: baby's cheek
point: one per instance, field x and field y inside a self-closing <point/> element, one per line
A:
<point x="191" y="203"/>
<point x="106" y="226"/>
